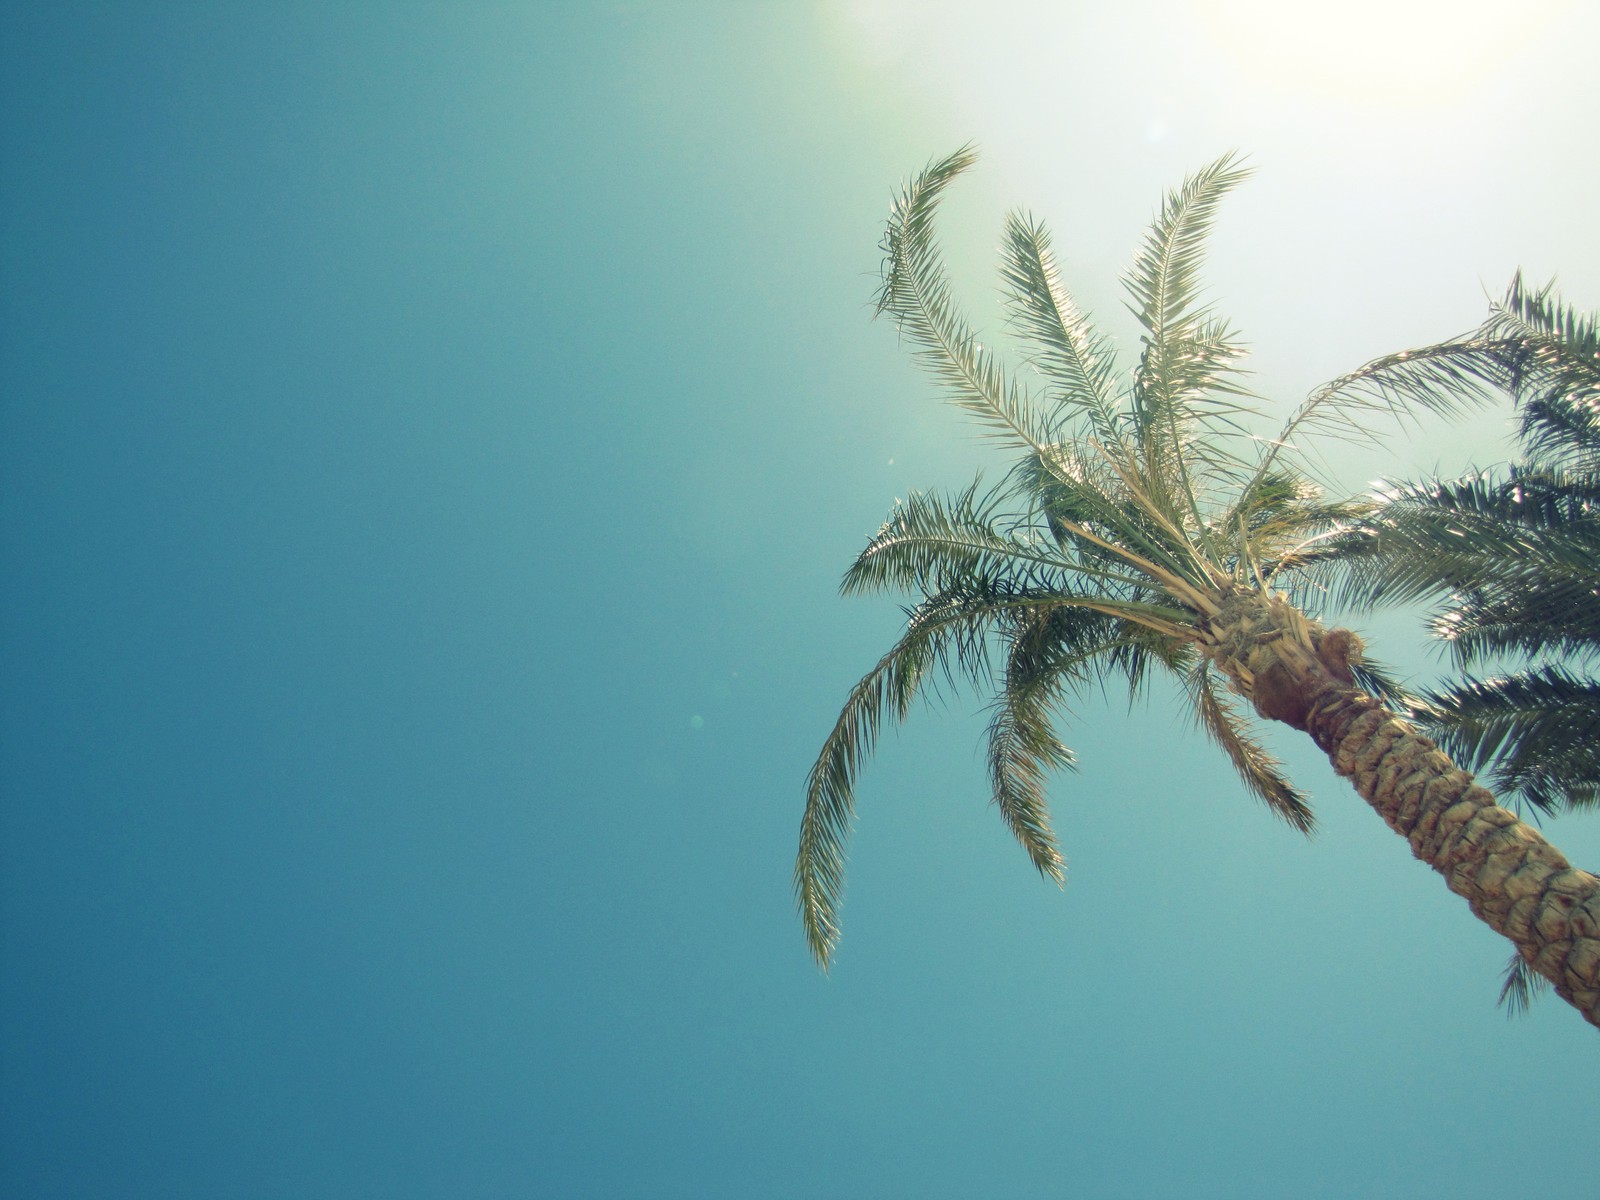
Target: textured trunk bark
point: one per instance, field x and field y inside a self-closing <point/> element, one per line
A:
<point x="1517" y="883"/>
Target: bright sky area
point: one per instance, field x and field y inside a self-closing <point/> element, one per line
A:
<point x="430" y="438"/>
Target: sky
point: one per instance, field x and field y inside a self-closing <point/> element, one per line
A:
<point x="430" y="439"/>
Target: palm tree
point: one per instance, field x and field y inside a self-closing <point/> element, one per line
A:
<point x="1511" y="560"/>
<point x="1140" y="533"/>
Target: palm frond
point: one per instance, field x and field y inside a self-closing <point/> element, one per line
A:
<point x="1447" y="379"/>
<point x="916" y="293"/>
<point x="1184" y="377"/>
<point x="1521" y="986"/>
<point x="1555" y="375"/>
<point x="1077" y="360"/>
<point x="1536" y="314"/>
<point x="929" y="542"/>
<point x="1562" y="433"/>
<point x="1475" y="532"/>
<point x="1092" y="505"/>
<point x="1262" y="774"/>
<point x="941" y="629"/>
<point x="1188" y="352"/>
<point x="1133" y="661"/>
<point x="1378" y="680"/>
<point x="1164" y="283"/>
<point x="1536" y="733"/>
<point x="1532" y="347"/>
<point x="1276" y="521"/>
<point x="1549" y="617"/>
<point x="1049" y="650"/>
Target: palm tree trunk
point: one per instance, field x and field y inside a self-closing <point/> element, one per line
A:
<point x="1515" y="881"/>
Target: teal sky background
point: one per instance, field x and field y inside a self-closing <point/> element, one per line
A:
<point x="430" y="439"/>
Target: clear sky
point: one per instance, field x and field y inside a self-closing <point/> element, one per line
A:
<point x="430" y="438"/>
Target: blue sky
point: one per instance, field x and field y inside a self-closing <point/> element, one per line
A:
<point x="431" y="438"/>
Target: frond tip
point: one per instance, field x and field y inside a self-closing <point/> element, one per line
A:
<point x="1520" y="986"/>
<point x="916" y="293"/>
<point x="1262" y="774"/>
<point x="944" y="632"/>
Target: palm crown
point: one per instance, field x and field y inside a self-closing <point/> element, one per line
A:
<point x="1139" y="505"/>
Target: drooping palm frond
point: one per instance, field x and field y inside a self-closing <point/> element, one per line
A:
<point x="1474" y="533"/>
<point x="1262" y="774"/>
<point x="1521" y="986"/>
<point x="946" y="632"/>
<point x="1448" y="380"/>
<point x="1555" y="618"/>
<point x="1051" y="652"/>
<point x="1543" y="353"/>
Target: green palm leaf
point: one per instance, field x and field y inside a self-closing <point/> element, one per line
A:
<point x="1078" y="360"/>
<point x="1520" y="987"/>
<point x="916" y="293"/>
<point x="1262" y="774"/>
<point x="929" y="542"/>
<point x="1537" y="733"/>
<point x="1183" y="376"/>
<point x="944" y="633"/>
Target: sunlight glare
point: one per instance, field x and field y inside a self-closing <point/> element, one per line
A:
<point x="1376" y="52"/>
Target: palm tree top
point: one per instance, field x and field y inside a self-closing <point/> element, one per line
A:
<point x="1138" y="503"/>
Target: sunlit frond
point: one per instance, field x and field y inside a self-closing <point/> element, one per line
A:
<point x="1532" y="347"/>
<point x="1473" y="534"/>
<point x="929" y="541"/>
<point x="1073" y="356"/>
<point x="1164" y="282"/>
<point x="1132" y="662"/>
<point x="1562" y="433"/>
<point x="1388" y="393"/>
<point x="1049" y="651"/>
<point x="1554" y="360"/>
<point x="1185" y="374"/>
<point x="916" y="293"/>
<point x="1560" y="617"/>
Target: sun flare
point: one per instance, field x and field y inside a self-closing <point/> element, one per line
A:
<point x="1375" y="53"/>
